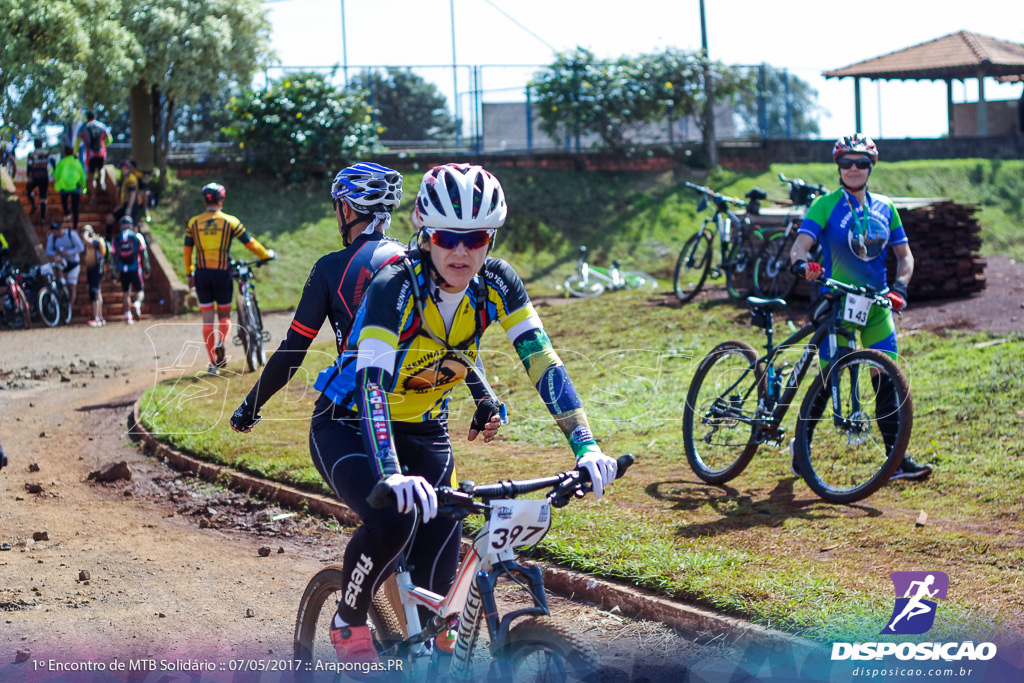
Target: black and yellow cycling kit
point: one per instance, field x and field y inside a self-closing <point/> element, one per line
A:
<point x="210" y="234"/>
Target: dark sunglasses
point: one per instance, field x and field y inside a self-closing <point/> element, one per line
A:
<point x="449" y="239"/>
<point x="847" y="164"/>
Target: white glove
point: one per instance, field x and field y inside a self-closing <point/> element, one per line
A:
<point x="600" y="467"/>
<point x="271" y="254"/>
<point x="409" y="491"/>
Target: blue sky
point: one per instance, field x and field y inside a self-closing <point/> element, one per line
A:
<point x="803" y="36"/>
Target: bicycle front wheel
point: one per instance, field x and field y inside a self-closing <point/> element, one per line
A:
<point x="718" y="418"/>
<point x="772" y="277"/>
<point x="49" y="307"/>
<point x="575" y="285"/>
<point x="319" y="602"/>
<point x="258" y="333"/>
<point x="692" y="266"/>
<point x="846" y="455"/>
<point x="538" y="649"/>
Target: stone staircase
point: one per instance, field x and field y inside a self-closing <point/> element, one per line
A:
<point x="165" y="293"/>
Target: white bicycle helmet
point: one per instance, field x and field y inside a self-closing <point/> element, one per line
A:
<point x="459" y="197"/>
<point x="368" y="187"/>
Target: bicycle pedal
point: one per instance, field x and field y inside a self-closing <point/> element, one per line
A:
<point x="237" y="341"/>
<point x="265" y="336"/>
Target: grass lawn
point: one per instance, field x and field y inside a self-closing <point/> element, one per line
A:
<point x="762" y="547"/>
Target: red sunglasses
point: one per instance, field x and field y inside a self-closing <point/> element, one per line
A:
<point x="449" y="239"/>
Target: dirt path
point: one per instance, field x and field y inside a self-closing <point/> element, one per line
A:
<point x="160" y="568"/>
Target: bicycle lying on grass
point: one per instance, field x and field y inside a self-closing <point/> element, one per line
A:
<point x="855" y="419"/>
<point x="525" y="644"/>
<point x="251" y="334"/>
<point x="590" y="280"/>
<point x="772" y="275"/>
<point x="736" y="240"/>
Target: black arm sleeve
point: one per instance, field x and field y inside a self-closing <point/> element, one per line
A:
<point x="280" y="368"/>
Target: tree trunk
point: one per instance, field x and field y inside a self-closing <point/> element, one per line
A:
<point x="142" y="127"/>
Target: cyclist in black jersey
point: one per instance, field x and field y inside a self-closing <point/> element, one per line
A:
<point x="383" y="413"/>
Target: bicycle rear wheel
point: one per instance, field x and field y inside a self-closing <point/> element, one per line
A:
<point x="66" y="305"/>
<point x="692" y="266"/>
<point x="718" y="418"/>
<point x="49" y="307"/>
<point x="538" y="649"/>
<point x="575" y="285"/>
<point x="846" y="456"/>
<point x="636" y="280"/>
<point x="772" y="277"/>
<point x="319" y="602"/>
<point x="739" y="275"/>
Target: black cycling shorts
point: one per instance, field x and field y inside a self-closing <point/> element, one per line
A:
<point x="213" y="286"/>
<point x="131" y="280"/>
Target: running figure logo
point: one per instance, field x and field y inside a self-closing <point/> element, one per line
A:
<point x="914" y="612"/>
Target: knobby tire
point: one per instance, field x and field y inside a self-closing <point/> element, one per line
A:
<point x="312" y="639"/>
<point x="718" y="448"/>
<point x="48" y="305"/>
<point x="772" y="276"/>
<point x="847" y="464"/>
<point x="575" y="286"/>
<point x="692" y="266"/>
<point x="539" y="649"/>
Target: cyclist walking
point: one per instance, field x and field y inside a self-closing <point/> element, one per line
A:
<point x="856" y="228"/>
<point x="131" y="261"/>
<point x="69" y="180"/>
<point x="95" y="257"/>
<point x="383" y="413"/>
<point x="64" y="248"/>
<point x="37" y="168"/>
<point x="209" y="236"/>
<point x="94" y="135"/>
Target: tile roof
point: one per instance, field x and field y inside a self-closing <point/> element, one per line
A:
<point x="959" y="55"/>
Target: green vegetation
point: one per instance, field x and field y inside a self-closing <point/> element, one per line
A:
<point x="764" y="546"/>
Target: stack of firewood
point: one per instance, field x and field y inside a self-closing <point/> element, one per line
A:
<point x="945" y="240"/>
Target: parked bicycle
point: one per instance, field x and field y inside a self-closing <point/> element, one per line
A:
<point x="52" y="296"/>
<point x="251" y="335"/>
<point x="525" y="644"/>
<point x="16" y="310"/>
<point x="854" y="421"/>
<point x="736" y="240"/>
<point x="772" y="275"/>
<point x="589" y="281"/>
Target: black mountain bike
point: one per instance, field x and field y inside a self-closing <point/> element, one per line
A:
<point x="855" y="419"/>
<point x="251" y="334"/>
<point x="52" y="296"/>
<point x="772" y="275"/>
<point x="736" y="239"/>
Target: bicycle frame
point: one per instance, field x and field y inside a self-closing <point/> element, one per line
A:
<point x="473" y="596"/>
<point x="777" y="397"/>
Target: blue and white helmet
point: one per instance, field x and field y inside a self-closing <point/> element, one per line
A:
<point x="368" y="187"/>
<point x="459" y="197"/>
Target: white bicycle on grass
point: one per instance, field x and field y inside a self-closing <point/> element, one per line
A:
<point x="525" y="644"/>
<point x="590" y="280"/>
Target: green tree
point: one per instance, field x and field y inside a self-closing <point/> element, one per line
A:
<point x="410" y="108"/>
<point x="189" y="49"/>
<point x="302" y="120"/>
<point x="60" y="56"/>
<point x="579" y="94"/>
<point x="778" y="96"/>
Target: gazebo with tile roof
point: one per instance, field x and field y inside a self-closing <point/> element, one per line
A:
<point x="959" y="56"/>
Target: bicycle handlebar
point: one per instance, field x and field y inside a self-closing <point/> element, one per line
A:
<point x="799" y="182"/>
<point x="837" y="285"/>
<point x="716" y="197"/>
<point x="467" y="498"/>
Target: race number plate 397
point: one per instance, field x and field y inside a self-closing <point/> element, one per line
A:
<point x="857" y="308"/>
<point x="516" y="523"/>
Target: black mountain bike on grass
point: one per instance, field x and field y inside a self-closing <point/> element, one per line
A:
<point x="251" y="334"/>
<point x="855" y="419"/>
<point x="736" y="240"/>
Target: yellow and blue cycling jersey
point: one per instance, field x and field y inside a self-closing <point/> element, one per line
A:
<point x="393" y="369"/>
<point x="210" y="234"/>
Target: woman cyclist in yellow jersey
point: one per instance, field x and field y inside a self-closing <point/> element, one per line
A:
<point x="383" y="413"/>
<point x="209" y="236"/>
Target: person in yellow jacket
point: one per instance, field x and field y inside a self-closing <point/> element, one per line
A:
<point x="69" y="179"/>
<point x="208" y="236"/>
